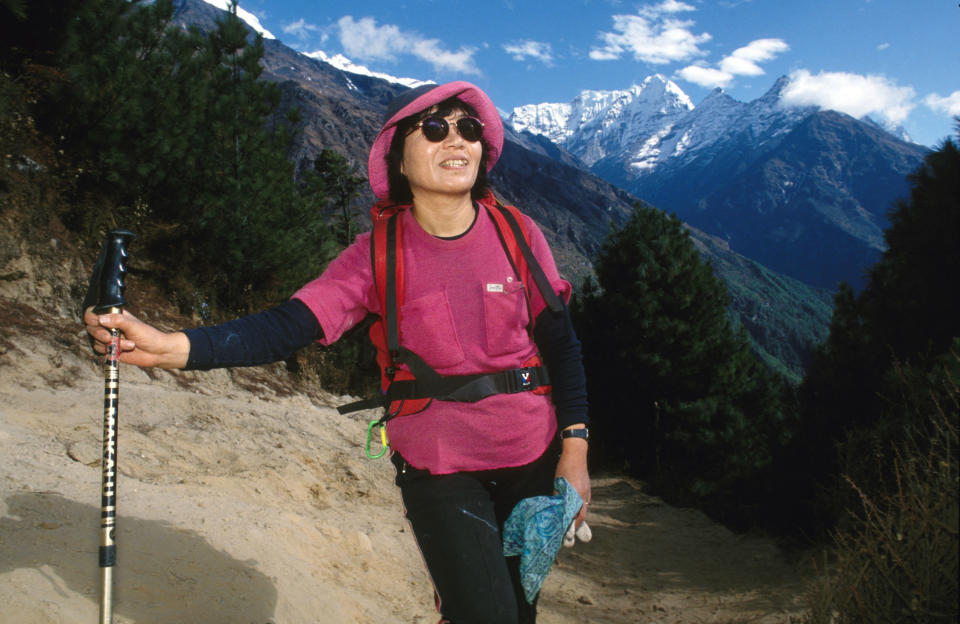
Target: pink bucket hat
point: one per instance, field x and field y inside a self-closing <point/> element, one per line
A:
<point x="422" y="98"/>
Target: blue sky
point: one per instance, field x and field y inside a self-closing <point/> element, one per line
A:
<point x="895" y="60"/>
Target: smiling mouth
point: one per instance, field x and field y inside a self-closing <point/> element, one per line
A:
<point x="454" y="164"/>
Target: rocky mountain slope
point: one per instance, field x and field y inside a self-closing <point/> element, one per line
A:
<point x="802" y="191"/>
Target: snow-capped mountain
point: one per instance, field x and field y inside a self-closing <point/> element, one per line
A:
<point x="804" y="191"/>
<point x="343" y="63"/>
<point x="600" y="123"/>
<point x="652" y="123"/>
<point x="246" y="16"/>
<point x="338" y="60"/>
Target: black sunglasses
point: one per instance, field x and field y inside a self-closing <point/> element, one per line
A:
<point x="435" y="128"/>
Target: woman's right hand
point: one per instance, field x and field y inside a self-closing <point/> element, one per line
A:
<point x="140" y="344"/>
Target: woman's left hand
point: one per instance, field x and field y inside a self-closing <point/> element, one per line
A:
<point x="573" y="467"/>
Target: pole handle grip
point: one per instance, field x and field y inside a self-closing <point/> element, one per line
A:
<point x="107" y="284"/>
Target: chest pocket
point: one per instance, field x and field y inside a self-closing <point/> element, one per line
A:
<point x="505" y="318"/>
<point x="427" y="329"/>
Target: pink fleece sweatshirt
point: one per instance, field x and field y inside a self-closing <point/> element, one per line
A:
<point x="464" y="312"/>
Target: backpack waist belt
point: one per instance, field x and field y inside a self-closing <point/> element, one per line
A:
<point x="470" y="388"/>
<point x="458" y="388"/>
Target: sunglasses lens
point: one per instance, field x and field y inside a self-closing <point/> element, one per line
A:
<point x="434" y="128"/>
<point x="470" y="128"/>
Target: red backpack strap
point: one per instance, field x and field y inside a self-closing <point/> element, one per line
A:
<point x="387" y="260"/>
<point x="379" y="242"/>
<point x="388" y="273"/>
<point x="516" y="242"/>
<point x="386" y="249"/>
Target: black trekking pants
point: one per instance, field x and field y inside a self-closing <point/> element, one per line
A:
<point x="457" y="521"/>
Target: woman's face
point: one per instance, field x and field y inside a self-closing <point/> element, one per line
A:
<point x="447" y="167"/>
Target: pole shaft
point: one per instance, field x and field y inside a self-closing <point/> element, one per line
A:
<point x="108" y="496"/>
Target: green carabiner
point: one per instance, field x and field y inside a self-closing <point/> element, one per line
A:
<point x="383" y="439"/>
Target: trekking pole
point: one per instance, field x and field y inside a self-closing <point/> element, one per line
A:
<point x="109" y="286"/>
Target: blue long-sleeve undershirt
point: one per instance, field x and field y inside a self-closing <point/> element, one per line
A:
<point x="277" y="333"/>
<point x="260" y="338"/>
<point x="560" y="352"/>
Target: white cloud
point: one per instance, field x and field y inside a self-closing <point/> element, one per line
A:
<point x="300" y="29"/>
<point x="654" y="11"/>
<point x="882" y="47"/>
<point x="652" y="36"/>
<point x="949" y="104"/>
<point x="705" y="76"/>
<point x="537" y="50"/>
<point x="744" y="61"/>
<point x="364" y="39"/>
<point x="852" y="94"/>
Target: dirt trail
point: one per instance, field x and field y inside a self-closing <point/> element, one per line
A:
<point x="242" y="501"/>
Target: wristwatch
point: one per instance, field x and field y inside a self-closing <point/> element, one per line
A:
<point x="583" y="433"/>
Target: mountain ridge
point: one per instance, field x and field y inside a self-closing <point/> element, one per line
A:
<point x="715" y="166"/>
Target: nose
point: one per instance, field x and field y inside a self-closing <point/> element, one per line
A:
<point x="453" y="133"/>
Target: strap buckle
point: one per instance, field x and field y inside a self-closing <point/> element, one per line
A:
<point x="522" y="379"/>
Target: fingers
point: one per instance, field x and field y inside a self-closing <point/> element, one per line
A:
<point x="576" y="532"/>
<point x="583" y="532"/>
<point x="99" y="326"/>
<point x="581" y="517"/>
<point x="141" y="344"/>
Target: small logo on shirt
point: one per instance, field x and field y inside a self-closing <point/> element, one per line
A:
<point x="498" y="288"/>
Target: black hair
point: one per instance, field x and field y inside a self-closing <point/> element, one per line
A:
<point x="399" y="186"/>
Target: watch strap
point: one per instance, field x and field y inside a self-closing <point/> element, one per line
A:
<point x="583" y="433"/>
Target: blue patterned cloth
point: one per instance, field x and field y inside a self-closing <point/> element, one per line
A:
<point x="535" y="531"/>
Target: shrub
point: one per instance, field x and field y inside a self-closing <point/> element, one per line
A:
<point x="896" y="561"/>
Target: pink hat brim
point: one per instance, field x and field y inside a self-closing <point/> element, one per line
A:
<point x="469" y="93"/>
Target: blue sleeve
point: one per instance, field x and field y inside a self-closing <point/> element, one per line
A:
<point x="268" y="336"/>
<point x="560" y="351"/>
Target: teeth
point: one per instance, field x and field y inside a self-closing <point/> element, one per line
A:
<point x="454" y="163"/>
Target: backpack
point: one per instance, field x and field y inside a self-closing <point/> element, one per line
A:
<point x="411" y="390"/>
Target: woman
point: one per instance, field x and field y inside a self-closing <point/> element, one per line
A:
<point x="461" y="466"/>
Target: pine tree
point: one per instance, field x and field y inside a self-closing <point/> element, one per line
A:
<point x="32" y="31"/>
<point x="905" y="300"/>
<point x="908" y="314"/>
<point x="180" y="132"/>
<point x="674" y="390"/>
<point x="258" y="232"/>
<point x="907" y="311"/>
<point x="335" y="179"/>
<point x="124" y="110"/>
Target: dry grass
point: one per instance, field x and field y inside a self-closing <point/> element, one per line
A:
<point x="898" y="561"/>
